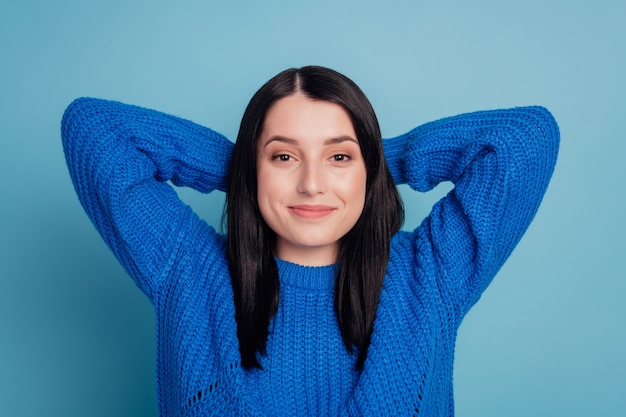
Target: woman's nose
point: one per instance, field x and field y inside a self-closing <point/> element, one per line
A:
<point x="312" y="179"/>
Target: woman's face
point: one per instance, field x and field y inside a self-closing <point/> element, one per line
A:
<point x="311" y="178"/>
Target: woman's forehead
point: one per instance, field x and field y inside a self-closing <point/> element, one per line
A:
<point x="298" y="117"/>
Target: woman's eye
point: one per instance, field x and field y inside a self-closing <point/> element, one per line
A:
<point x="340" y="158"/>
<point x="282" y="158"/>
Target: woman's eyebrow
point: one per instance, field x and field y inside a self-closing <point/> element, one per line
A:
<point x="341" y="139"/>
<point x="280" y="139"/>
<point x="330" y="141"/>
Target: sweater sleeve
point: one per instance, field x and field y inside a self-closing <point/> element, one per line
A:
<point x="120" y="158"/>
<point x="500" y="163"/>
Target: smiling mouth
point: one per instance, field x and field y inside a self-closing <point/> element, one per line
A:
<point x="311" y="212"/>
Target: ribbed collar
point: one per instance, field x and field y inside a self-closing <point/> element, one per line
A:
<point x="310" y="277"/>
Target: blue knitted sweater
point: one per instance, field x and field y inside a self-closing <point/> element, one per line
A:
<point x="121" y="158"/>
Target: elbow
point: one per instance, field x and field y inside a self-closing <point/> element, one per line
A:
<point x="537" y="148"/>
<point x="82" y="118"/>
<point x="539" y="137"/>
<point x="548" y="136"/>
<point x="546" y="129"/>
<point x="71" y="118"/>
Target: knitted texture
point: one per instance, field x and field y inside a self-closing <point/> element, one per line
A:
<point x="120" y="158"/>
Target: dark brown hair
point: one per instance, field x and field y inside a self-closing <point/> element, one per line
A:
<point x="364" y="250"/>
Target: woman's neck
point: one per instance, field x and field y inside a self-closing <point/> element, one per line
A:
<point x="308" y="256"/>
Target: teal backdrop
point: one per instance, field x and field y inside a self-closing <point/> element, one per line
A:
<point x="77" y="338"/>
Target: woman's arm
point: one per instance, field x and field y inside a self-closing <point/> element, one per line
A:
<point x="120" y="157"/>
<point x="500" y="163"/>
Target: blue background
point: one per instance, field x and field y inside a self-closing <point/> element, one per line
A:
<point x="548" y="337"/>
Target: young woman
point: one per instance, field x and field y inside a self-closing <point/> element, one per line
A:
<point x="314" y="303"/>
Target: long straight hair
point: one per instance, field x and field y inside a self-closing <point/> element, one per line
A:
<point x="364" y="250"/>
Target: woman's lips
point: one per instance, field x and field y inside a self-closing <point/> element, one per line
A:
<point x="311" y="212"/>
